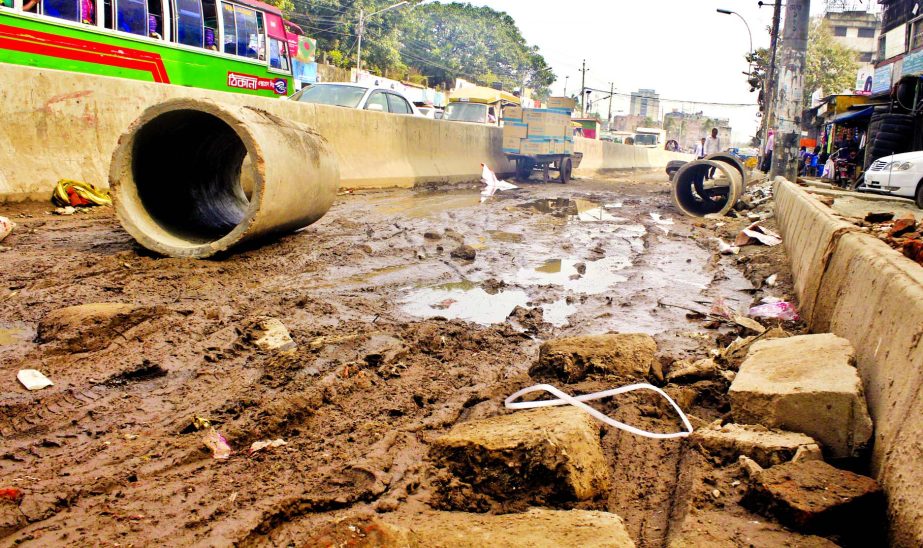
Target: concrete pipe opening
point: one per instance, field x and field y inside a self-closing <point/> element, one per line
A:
<point x="178" y="177"/>
<point x="697" y="195"/>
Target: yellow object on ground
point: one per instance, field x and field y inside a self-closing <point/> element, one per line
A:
<point x="77" y="193"/>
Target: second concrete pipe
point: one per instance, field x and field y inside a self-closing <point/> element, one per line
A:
<point x="697" y="196"/>
<point x="176" y="177"/>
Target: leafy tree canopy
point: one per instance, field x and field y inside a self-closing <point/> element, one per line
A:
<point x="433" y="43"/>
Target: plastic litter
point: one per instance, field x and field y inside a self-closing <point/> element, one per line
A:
<point x="577" y="401"/>
<point x="493" y="184"/>
<point x="727" y="249"/>
<point x="68" y="210"/>
<point x="215" y="441"/>
<point x="779" y="311"/>
<point x="77" y="193"/>
<point x="771" y="280"/>
<point x="33" y="380"/>
<point x="760" y="234"/>
<point x="11" y="493"/>
<point x="6" y="226"/>
<point x="263" y="444"/>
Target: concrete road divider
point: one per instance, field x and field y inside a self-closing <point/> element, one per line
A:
<point x="855" y="286"/>
<point x="176" y="177"/>
<point x="65" y="125"/>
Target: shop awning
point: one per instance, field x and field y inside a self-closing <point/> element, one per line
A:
<point x="853" y="117"/>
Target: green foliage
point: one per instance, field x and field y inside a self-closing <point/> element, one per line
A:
<point x="284" y="5"/>
<point x="437" y="41"/>
<point x="831" y="67"/>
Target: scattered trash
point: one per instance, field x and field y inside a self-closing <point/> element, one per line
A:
<point x="759" y="233"/>
<point x="260" y="445"/>
<point x="33" y="380"/>
<point x="76" y="193"/>
<point x="216" y="442"/>
<point x="65" y="211"/>
<point x="11" y="493"/>
<point x="771" y="280"/>
<point x="726" y="249"/>
<point x="6" y="226"/>
<point x="749" y="323"/>
<point x="721" y="309"/>
<point x="489" y="178"/>
<point x="613" y="205"/>
<point x="565" y="399"/>
<point x="780" y="311"/>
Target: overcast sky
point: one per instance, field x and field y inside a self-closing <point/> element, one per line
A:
<point x="683" y="49"/>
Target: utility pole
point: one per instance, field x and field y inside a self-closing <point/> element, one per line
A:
<point x="359" y="43"/>
<point x="611" y="93"/>
<point x="769" y="85"/>
<point x="583" y="90"/>
<point x="791" y="89"/>
<point x="566" y="78"/>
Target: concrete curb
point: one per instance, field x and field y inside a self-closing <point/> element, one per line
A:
<point x="853" y="285"/>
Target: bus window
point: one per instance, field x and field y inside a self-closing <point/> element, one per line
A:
<point x="278" y="54"/>
<point x="62" y="9"/>
<point x="247" y="32"/>
<point x="107" y="13"/>
<point x="131" y="16"/>
<point x="230" y="29"/>
<point x="189" y="23"/>
<point x="155" y="19"/>
<point x="210" y="14"/>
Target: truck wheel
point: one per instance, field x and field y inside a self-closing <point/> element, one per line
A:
<point x="565" y="168"/>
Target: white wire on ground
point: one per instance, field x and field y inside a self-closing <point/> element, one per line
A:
<point x="564" y="399"/>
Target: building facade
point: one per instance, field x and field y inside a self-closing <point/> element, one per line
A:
<point x="857" y="30"/>
<point x="900" y="44"/>
<point x="645" y="103"/>
<point x="688" y="128"/>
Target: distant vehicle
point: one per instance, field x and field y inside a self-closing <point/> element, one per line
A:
<point x="650" y="137"/>
<point x="479" y="105"/>
<point x="896" y="175"/>
<point x="431" y="112"/>
<point x="358" y="96"/>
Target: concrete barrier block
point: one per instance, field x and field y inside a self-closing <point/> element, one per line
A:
<point x="805" y="384"/>
<point x="543" y="456"/>
<point x="572" y="358"/>
<point x="813" y="496"/>
<point x="765" y="446"/>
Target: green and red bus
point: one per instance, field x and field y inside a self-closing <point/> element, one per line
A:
<point x="228" y="45"/>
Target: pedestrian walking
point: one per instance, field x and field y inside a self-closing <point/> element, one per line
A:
<point x="712" y="145"/>
<point x="767" y="154"/>
<point x="700" y="149"/>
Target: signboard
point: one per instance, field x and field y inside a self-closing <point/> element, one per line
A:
<point x="305" y="73"/>
<point x="896" y="41"/>
<point x="279" y="86"/>
<point x="913" y="64"/>
<point x="865" y="76"/>
<point x="881" y="81"/>
<point x="306" y="49"/>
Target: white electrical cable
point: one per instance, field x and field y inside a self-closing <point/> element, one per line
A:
<point x="564" y="399"/>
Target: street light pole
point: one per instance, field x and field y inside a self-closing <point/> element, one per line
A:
<point x="566" y="78"/>
<point x="583" y="90"/>
<point x="750" y="34"/>
<point x="362" y="20"/>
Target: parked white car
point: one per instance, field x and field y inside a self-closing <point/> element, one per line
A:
<point x="358" y="96"/>
<point x="896" y="175"/>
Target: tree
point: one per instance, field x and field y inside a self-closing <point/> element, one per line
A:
<point x="831" y="66"/>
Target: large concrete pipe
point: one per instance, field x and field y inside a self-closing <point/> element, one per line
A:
<point x="176" y="177"/>
<point x="697" y="196"/>
<point x="729" y="158"/>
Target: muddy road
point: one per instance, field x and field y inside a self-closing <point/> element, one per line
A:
<point x="397" y="340"/>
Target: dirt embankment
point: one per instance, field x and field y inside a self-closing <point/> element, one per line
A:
<point x="397" y="341"/>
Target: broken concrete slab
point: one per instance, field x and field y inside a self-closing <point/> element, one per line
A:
<point x="271" y="335"/>
<point x="766" y="447"/>
<point x="571" y="359"/>
<point x="539" y="527"/>
<point x="541" y="457"/>
<point x="690" y="371"/>
<point x="813" y="496"/>
<point x="92" y="326"/>
<point x="807" y="384"/>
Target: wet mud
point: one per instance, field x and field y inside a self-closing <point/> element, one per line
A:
<point x="396" y="342"/>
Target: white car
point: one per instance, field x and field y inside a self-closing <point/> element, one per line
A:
<point x="358" y="96"/>
<point x="896" y="175"/>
